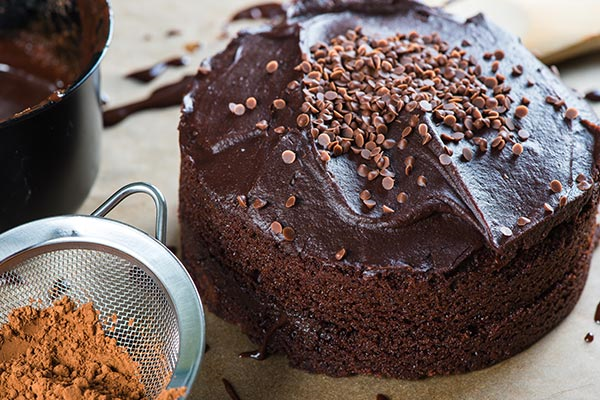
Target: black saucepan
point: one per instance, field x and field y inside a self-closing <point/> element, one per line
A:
<point x="49" y="150"/>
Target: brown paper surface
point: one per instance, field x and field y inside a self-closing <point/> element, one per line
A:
<point x="145" y="147"/>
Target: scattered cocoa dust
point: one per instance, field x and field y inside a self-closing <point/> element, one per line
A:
<point x="61" y="352"/>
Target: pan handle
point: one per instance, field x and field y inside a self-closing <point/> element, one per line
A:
<point x="134" y="188"/>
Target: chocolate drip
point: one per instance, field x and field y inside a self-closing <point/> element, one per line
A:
<point x="261" y="353"/>
<point x="593" y="95"/>
<point x="165" y="96"/>
<point x="597" y="314"/>
<point x="149" y="74"/>
<point x="260" y="11"/>
<point x="589" y="338"/>
<point x="230" y="390"/>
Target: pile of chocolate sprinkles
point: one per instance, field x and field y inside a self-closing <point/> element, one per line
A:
<point x="356" y="86"/>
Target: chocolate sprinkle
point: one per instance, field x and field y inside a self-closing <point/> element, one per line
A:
<point x="571" y="113"/>
<point x="521" y="111"/>
<point x="289" y="234"/>
<point x="279" y="104"/>
<point x="388" y="183"/>
<point x="467" y="154"/>
<point x="291" y="201"/>
<point x="387" y="210"/>
<point x="556" y="186"/>
<point x="237" y="109"/>
<point x="259" y="203"/>
<point x="402" y="198"/>
<point x="517" y="149"/>
<point x="597" y="314"/>
<point x="589" y="338"/>
<point x="522" y="221"/>
<point x="583" y="186"/>
<point x="288" y="156"/>
<point x="263" y="125"/>
<point x="272" y="66"/>
<point x="563" y="201"/>
<point x="303" y="120"/>
<point x="445" y="159"/>
<point x="241" y="199"/>
<point x="355" y="86"/>
<point x="251" y="103"/>
<point x="276" y="227"/>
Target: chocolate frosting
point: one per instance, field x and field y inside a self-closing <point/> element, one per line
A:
<point x="464" y="206"/>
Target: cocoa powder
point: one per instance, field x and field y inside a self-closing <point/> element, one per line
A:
<point x="61" y="352"/>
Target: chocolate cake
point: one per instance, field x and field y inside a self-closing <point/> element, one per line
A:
<point x="399" y="192"/>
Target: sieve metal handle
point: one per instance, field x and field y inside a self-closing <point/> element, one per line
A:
<point x="134" y="188"/>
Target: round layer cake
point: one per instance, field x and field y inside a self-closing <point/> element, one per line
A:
<point x="397" y="192"/>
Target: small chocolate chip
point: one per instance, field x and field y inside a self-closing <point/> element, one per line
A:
<point x="237" y="109"/>
<point x="556" y="186"/>
<point x="341" y="253"/>
<point x="259" y="203"/>
<point x="402" y="198"/>
<point x="387" y="183"/>
<point x="521" y="111"/>
<point x="467" y="153"/>
<point x="445" y="159"/>
<point x="251" y="103"/>
<point x="289" y="234"/>
<point x="303" y="120"/>
<point x="387" y="210"/>
<point x="571" y="113"/>
<point x="262" y="125"/>
<point x="279" y="104"/>
<point x="517" y="149"/>
<point x="272" y="66"/>
<point x="276" y="227"/>
<point x="522" y="221"/>
<point x="288" y="156"/>
<point x="290" y="202"/>
<point x="241" y="199"/>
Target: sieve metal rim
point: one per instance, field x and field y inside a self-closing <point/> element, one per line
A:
<point x="97" y="232"/>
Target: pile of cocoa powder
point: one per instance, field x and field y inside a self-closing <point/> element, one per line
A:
<point x="61" y="352"/>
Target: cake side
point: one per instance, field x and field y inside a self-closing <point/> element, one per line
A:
<point x="394" y="322"/>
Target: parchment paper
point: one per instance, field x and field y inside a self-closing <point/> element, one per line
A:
<point x="145" y="147"/>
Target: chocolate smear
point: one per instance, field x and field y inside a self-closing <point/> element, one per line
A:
<point x="261" y="353"/>
<point x="165" y="96"/>
<point x="149" y="74"/>
<point x="230" y="390"/>
<point x="260" y="11"/>
<point x="593" y="95"/>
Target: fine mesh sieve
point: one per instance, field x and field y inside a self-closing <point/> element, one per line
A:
<point x="145" y="297"/>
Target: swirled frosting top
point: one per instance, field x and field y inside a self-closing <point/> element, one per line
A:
<point x="387" y="134"/>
